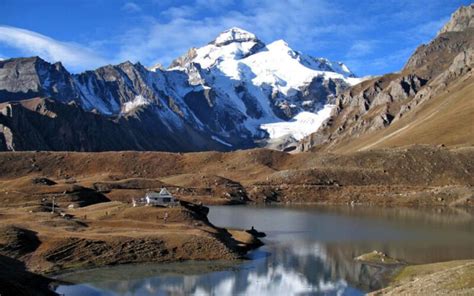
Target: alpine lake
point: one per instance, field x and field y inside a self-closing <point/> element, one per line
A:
<point x="309" y="250"/>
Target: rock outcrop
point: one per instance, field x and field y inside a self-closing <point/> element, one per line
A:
<point x="461" y="20"/>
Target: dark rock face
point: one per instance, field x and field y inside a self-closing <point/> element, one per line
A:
<point x="33" y="77"/>
<point x="376" y="103"/>
<point x="42" y="124"/>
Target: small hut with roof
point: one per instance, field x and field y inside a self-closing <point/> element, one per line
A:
<point x="163" y="198"/>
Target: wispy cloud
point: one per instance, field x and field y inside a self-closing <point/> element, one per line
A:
<point x="74" y="56"/>
<point x="131" y="7"/>
<point x="361" y="48"/>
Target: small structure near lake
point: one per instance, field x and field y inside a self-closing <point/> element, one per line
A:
<point x="163" y="198"/>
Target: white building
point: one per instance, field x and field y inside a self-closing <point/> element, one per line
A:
<point x="164" y="198"/>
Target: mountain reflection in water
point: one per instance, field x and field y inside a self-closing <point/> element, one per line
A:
<point x="308" y="251"/>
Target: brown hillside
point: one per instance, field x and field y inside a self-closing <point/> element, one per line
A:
<point x="431" y="101"/>
<point x="423" y="175"/>
<point x="448" y="119"/>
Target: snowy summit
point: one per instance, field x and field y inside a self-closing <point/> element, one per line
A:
<point x="274" y="76"/>
<point x="234" y="35"/>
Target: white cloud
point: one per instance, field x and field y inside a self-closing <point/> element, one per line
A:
<point x="131" y="7"/>
<point x="74" y="56"/>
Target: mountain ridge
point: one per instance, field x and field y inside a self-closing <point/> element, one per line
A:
<point x="228" y="98"/>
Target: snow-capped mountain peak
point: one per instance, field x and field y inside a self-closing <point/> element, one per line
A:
<point x="236" y="45"/>
<point x="266" y="83"/>
<point x="234" y="34"/>
<point x="231" y="44"/>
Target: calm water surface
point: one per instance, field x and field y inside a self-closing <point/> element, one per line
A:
<point x="308" y="250"/>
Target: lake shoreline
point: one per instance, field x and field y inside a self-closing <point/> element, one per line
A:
<point x="42" y="244"/>
<point x="91" y="211"/>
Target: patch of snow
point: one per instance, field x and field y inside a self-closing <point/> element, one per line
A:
<point x="344" y="68"/>
<point x="211" y="55"/>
<point x="279" y="67"/>
<point x="47" y="82"/>
<point x="353" y="80"/>
<point x="135" y="103"/>
<point x="89" y="99"/>
<point x="302" y="125"/>
<point x="157" y="66"/>
<point x="221" y="141"/>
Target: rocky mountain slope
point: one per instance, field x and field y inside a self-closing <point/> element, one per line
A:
<point x="430" y="101"/>
<point x="223" y="96"/>
<point x="44" y="124"/>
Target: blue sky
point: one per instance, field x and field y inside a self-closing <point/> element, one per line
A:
<point x="371" y="37"/>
